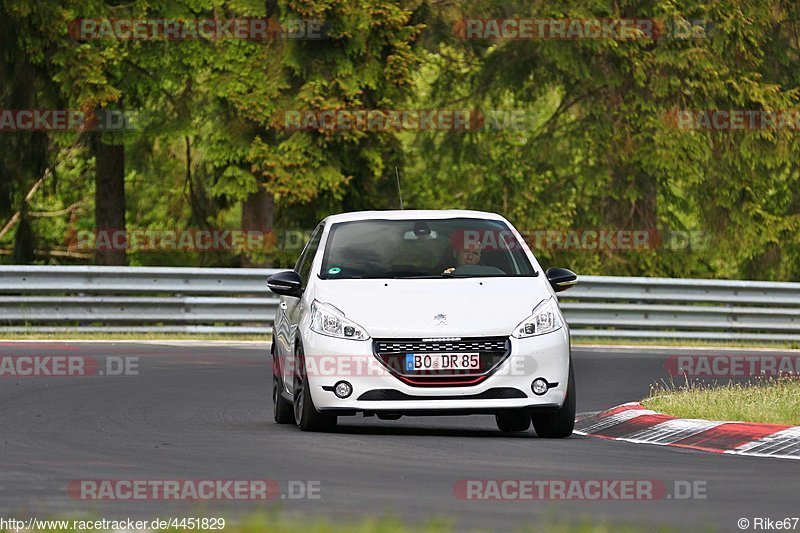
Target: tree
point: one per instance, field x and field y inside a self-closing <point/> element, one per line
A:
<point x="607" y="148"/>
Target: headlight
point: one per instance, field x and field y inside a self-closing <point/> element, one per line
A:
<point x="545" y="319"/>
<point x="327" y="320"/>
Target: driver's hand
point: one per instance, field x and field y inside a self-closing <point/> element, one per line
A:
<point x="449" y="270"/>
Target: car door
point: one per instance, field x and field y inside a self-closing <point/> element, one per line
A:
<point x="292" y="307"/>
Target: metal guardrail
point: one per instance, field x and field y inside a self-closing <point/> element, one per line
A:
<point x="136" y="299"/>
<point x="606" y="306"/>
<point x="237" y="301"/>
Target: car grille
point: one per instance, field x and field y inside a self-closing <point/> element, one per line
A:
<point x="488" y="344"/>
<point x="491" y="352"/>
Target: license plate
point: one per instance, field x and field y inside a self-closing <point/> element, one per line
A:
<point x="442" y="361"/>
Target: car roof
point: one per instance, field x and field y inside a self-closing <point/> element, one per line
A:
<point x="407" y="214"/>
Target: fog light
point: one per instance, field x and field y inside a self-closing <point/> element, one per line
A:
<point x="343" y="389"/>
<point x="539" y="386"/>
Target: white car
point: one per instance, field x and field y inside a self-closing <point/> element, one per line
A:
<point x="392" y="313"/>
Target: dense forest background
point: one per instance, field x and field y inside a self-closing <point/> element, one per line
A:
<point x="598" y="150"/>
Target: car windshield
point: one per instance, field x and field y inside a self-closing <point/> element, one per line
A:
<point x="423" y="248"/>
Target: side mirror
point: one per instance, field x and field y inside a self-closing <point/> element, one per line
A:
<point x="286" y="283"/>
<point x="561" y="279"/>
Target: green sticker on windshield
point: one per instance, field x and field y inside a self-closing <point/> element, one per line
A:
<point x="334" y="270"/>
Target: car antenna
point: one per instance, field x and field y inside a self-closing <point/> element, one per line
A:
<point x="399" y="193"/>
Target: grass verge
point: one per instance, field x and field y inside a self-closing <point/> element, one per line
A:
<point x="576" y="342"/>
<point x="77" y="336"/>
<point x="280" y="523"/>
<point x="768" y="401"/>
<point x="690" y="343"/>
<point x="443" y="525"/>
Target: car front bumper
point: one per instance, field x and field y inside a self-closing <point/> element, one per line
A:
<point x="329" y="360"/>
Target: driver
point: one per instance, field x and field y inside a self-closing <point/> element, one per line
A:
<point x="466" y="254"/>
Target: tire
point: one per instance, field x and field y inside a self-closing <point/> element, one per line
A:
<point x="281" y="407"/>
<point x="306" y="415"/>
<point x="558" y="424"/>
<point x="513" y="420"/>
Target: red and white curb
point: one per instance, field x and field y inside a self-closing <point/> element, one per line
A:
<point x="631" y="422"/>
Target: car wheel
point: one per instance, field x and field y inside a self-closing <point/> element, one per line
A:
<point x="558" y="424"/>
<point x="513" y="421"/>
<point x="306" y="415"/>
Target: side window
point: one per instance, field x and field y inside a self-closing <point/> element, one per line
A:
<point x="303" y="266"/>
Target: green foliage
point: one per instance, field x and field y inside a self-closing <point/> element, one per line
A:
<point x="599" y="148"/>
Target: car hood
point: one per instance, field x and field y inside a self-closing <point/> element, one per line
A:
<point x="473" y="307"/>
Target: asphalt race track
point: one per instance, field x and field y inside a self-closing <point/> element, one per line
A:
<point x="203" y="411"/>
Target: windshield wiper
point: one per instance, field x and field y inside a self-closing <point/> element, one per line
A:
<point x="427" y="276"/>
